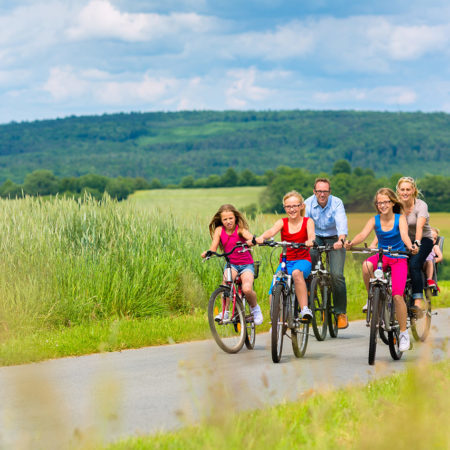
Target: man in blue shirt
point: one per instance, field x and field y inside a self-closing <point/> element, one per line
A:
<point x="330" y="221"/>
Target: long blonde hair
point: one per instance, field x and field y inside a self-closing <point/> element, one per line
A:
<point x="216" y="221"/>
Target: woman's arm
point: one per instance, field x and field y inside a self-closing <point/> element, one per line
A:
<point x="310" y="229"/>
<point x="403" y="226"/>
<point x="270" y="232"/>
<point x="215" y="241"/>
<point x="361" y="235"/>
<point x="421" y="221"/>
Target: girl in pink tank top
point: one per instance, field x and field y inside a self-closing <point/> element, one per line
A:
<point x="227" y="228"/>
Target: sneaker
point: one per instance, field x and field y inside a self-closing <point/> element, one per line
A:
<point x="342" y="321"/>
<point x="257" y="315"/>
<point x="219" y="317"/>
<point x="306" y="313"/>
<point x="404" y="342"/>
<point x="364" y="309"/>
<point x="431" y="283"/>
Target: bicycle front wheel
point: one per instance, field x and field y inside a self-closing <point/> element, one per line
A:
<point x="299" y="337"/>
<point x="228" y="328"/>
<point x="250" y="334"/>
<point x="420" y="327"/>
<point x="278" y="321"/>
<point x="374" y="321"/>
<point x="318" y="305"/>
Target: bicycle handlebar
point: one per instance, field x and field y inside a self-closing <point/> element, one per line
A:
<point x="243" y="246"/>
<point x="379" y="250"/>
<point x="272" y="243"/>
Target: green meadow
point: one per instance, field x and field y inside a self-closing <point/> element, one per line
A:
<point x="80" y="277"/>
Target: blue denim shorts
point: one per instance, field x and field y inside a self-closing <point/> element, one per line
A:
<point x="297" y="264"/>
<point x="241" y="268"/>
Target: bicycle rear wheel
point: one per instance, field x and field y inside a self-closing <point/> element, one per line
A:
<point x="228" y="332"/>
<point x="250" y="334"/>
<point x="278" y="322"/>
<point x="332" y="316"/>
<point x="394" y="339"/>
<point x="374" y="321"/>
<point x="318" y="305"/>
<point x="421" y="327"/>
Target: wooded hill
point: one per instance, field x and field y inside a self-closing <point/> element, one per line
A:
<point x="170" y="146"/>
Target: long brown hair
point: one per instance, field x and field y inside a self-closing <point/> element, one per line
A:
<point x="216" y="221"/>
<point x="398" y="207"/>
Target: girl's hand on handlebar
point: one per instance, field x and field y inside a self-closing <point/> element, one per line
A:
<point x="309" y="243"/>
<point x="347" y="245"/>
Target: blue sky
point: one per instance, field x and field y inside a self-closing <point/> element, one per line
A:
<point x="76" y="57"/>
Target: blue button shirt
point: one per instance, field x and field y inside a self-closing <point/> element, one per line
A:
<point x="330" y="220"/>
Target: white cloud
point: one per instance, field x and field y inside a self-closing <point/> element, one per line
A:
<point x="388" y="95"/>
<point x="100" y="19"/>
<point x="66" y="83"/>
<point x="243" y="88"/>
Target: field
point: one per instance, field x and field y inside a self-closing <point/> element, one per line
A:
<point x="83" y="277"/>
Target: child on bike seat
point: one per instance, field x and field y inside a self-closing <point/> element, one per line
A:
<point x="227" y="228"/>
<point x="434" y="257"/>
<point x="391" y="230"/>
<point x="300" y="229"/>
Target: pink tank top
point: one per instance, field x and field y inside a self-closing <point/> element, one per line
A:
<point x="228" y="242"/>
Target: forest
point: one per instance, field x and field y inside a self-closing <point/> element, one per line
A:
<point x="171" y="146"/>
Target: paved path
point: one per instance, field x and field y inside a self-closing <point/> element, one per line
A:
<point x="114" y="395"/>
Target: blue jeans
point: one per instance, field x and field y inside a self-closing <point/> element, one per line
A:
<point x="337" y="262"/>
<point x="416" y="267"/>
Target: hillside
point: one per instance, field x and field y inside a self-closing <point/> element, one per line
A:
<point x="170" y="146"/>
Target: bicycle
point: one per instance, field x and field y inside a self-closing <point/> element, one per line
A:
<point x="231" y="329"/>
<point x="321" y="296"/>
<point x="380" y="316"/>
<point x="284" y="308"/>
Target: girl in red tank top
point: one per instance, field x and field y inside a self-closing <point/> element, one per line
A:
<point x="227" y="228"/>
<point x="300" y="229"/>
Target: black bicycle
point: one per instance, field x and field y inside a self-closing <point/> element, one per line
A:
<point x="380" y="316"/>
<point x="284" y="310"/>
<point x="321" y="296"/>
<point x="229" y="316"/>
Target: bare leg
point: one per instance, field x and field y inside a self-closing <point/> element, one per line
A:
<point x="247" y="287"/>
<point x="400" y="311"/>
<point x="428" y="266"/>
<point x="300" y="288"/>
<point x="367" y="269"/>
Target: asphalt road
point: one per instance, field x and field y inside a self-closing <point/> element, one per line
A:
<point x="104" y="397"/>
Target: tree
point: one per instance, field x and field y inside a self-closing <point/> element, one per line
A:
<point x="41" y="182"/>
<point x="9" y="189"/>
<point x="187" y="182"/>
<point x="342" y="166"/>
<point x="229" y="178"/>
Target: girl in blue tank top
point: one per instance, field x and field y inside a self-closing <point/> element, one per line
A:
<point x="391" y="230"/>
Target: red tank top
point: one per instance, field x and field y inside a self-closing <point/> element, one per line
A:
<point x="299" y="237"/>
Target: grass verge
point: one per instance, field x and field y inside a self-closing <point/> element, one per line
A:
<point x="404" y="411"/>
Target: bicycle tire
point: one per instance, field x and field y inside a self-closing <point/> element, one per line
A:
<point x="229" y="335"/>
<point x="332" y="316"/>
<point x="278" y="320"/>
<point x="250" y="335"/>
<point x="318" y="305"/>
<point x="394" y="339"/>
<point x="299" y="338"/>
<point x="384" y="336"/>
<point x="374" y="321"/>
<point x="420" y="328"/>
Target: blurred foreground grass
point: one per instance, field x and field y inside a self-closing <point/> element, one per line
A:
<point x="408" y="410"/>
